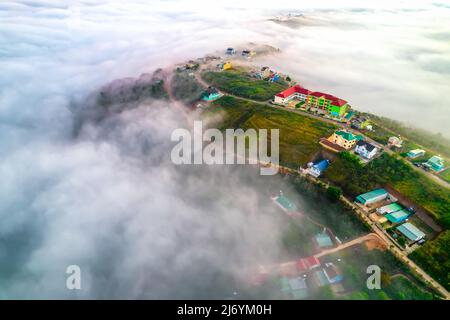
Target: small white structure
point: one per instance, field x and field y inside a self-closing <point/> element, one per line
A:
<point x="365" y="149"/>
<point x="395" y="142"/>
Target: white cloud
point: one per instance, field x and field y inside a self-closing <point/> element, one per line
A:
<point x="137" y="226"/>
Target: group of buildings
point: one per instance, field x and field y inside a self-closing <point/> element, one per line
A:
<point x="244" y="53"/>
<point x="342" y="140"/>
<point x="435" y="163"/>
<point x="389" y="213"/>
<point x="320" y="102"/>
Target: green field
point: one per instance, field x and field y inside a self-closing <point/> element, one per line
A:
<point x="299" y="135"/>
<point x="238" y="83"/>
<point x="434" y="257"/>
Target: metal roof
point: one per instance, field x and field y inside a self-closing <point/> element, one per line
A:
<point x="411" y="231"/>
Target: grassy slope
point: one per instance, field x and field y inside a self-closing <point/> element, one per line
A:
<point x="299" y="135"/>
<point x="298" y="142"/>
<point x="238" y="83"/>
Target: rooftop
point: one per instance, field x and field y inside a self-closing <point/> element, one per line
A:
<point x="286" y="203"/>
<point x="348" y="135"/>
<point x="367" y="145"/>
<point x="323" y="240"/>
<point x="411" y="231"/>
<point x="373" y="194"/>
<point x="322" y="165"/>
<point x="397" y="216"/>
<point x="290" y="91"/>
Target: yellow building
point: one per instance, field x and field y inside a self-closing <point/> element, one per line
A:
<point x="226" y="65"/>
<point x="345" y="139"/>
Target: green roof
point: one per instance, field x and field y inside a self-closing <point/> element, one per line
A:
<point x="284" y="282"/>
<point x="411" y="231"/>
<point x="323" y="240"/>
<point x="348" y="135"/>
<point x="371" y="194"/>
<point x="435" y="160"/>
<point x="397" y="216"/>
<point x="393" y="207"/>
<point x="286" y="203"/>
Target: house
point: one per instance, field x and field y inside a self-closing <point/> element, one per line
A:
<point x="265" y="72"/>
<point x="327" y="103"/>
<point x="323" y="240"/>
<point x="344" y="139"/>
<point x="307" y="264"/>
<point x="274" y="77"/>
<point x="372" y="196"/>
<point x="248" y="53"/>
<point x="332" y="274"/>
<point x="317" y="168"/>
<point x="415" y="153"/>
<point x="321" y="278"/>
<point x="365" y="149"/>
<point x="349" y="116"/>
<point x="435" y="163"/>
<point x="411" y="232"/>
<point x="398" y="216"/>
<point x="285" y="204"/>
<point x="390" y="208"/>
<point x="224" y="66"/>
<point x="360" y="123"/>
<point x="395" y="142"/>
<point x="297" y="287"/>
<point x="296" y="92"/>
<point x="211" y="94"/>
<point x="230" y="51"/>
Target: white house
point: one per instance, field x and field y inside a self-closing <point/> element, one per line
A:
<point x="365" y="149"/>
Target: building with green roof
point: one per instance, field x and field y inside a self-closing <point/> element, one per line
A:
<point x="398" y="216"/>
<point x="435" y="163"/>
<point x="344" y="139"/>
<point x="323" y="240"/>
<point x="372" y="196"/>
<point x="390" y="208"/>
<point x="411" y="231"/>
<point x="285" y="204"/>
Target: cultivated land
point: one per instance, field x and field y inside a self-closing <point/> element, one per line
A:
<point x="246" y="106"/>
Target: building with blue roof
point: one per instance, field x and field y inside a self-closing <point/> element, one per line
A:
<point x="323" y="240"/>
<point x="317" y="168"/>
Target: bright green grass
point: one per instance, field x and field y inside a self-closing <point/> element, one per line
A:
<point x="299" y="135"/>
<point x="238" y="83"/>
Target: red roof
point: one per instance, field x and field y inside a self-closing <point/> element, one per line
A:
<point x="312" y="262"/>
<point x="290" y="91"/>
<point x="338" y="102"/>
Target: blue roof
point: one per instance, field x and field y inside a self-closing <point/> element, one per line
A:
<point x="322" y="165"/>
<point x="323" y="240"/>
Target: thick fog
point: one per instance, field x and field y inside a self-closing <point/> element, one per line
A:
<point x="108" y="199"/>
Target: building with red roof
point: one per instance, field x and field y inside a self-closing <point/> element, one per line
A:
<point x="327" y="103"/>
<point x="315" y="101"/>
<point x="296" y="92"/>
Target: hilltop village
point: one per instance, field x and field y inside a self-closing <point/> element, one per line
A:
<point x="395" y="187"/>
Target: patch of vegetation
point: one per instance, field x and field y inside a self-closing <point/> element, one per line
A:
<point x="397" y="282"/>
<point x="334" y="193"/>
<point x="240" y="84"/>
<point x="185" y="88"/>
<point x="355" y="180"/>
<point x="299" y="135"/>
<point x="434" y="141"/>
<point x="434" y="257"/>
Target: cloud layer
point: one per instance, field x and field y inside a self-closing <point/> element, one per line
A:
<point x="108" y="199"/>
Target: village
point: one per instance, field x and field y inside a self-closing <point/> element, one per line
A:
<point x="397" y="222"/>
